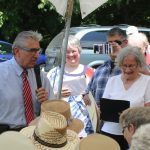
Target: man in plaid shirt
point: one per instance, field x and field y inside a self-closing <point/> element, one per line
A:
<point x="118" y="39"/>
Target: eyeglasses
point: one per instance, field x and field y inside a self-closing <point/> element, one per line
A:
<point x="123" y="128"/>
<point x="129" y="66"/>
<point x="117" y="41"/>
<point x="71" y="52"/>
<point x="32" y="50"/>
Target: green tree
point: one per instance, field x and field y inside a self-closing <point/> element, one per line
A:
<point x="25" y="15"/>
<point x="17" y="15"/>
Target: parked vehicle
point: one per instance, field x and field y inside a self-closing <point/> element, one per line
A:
<point x="88" y="36"/>
<point x="6" y="53"/>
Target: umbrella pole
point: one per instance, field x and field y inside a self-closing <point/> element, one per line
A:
<point x="65" y="44"/>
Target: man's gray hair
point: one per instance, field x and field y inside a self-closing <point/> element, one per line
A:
<point x="25" y="35"/>
<point x="75" y="42"/>
<point x="141" y="138"/>
<point x="131" y="50"/>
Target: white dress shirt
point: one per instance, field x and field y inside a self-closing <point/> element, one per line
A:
<point x="11" y="93"/>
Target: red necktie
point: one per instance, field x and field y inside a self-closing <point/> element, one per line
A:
<point x="29" y="114"/>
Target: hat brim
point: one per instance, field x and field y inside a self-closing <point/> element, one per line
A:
<point x="16" y="140"/>
<point x="75" y="124"/>
<point x="72" y="139"/>
<point x="98" y="142"/>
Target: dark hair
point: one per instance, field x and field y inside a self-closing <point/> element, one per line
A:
<point x="117" y="31"/>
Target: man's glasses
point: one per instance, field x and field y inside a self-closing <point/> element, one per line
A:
<point x="117" y="41"/>
<point x="32" y="50"/>
<point x="129" y="66"/>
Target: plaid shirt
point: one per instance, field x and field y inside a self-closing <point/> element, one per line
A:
<point x="100" y="78"/>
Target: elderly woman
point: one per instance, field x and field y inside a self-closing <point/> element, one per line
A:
<point x="130" y="85"/>
<point x="141" y="138"/>
<point x="75" y="74"/>
<point x="140" y="40"/>
<point x="131" y="119"/>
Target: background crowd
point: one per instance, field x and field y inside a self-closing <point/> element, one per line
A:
<point x="66" y="123"/>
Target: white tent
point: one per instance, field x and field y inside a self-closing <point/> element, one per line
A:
<point x="65" y="8"/>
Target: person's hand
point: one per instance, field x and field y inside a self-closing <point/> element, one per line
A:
<point x="65" y="92"/>
<point x="86" y="99"/>
<point x="41" y="94"/>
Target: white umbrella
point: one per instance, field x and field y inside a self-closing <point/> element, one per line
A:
<point x="86" y="6"/>
<point x="64" y="8"/>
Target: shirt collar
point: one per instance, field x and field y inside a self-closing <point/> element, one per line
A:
<point x="18" y="69"/>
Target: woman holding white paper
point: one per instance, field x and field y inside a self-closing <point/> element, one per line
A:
<point x="75" y="79"/>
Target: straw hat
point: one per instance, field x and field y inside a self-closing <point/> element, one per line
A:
<point x="51" y="133"/>
<point x="62" y="107"/>
<point x="12" y="140"/>
<point x="98" y="142"/>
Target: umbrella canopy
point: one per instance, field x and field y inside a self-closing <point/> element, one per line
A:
<point x="86" y="6"/>
<point x="65" y="8"/>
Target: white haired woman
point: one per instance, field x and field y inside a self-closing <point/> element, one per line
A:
<point x="130" y="85"/>
<point x="74" y="74"/>
<point x="140" y="40"/>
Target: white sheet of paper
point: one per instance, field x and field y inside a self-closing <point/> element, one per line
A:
<point x="76" y="86"/>
<point x="92" y="111"/>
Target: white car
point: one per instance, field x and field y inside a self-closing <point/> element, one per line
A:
<point x="88" y="36"/>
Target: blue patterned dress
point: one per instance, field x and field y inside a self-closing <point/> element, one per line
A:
<point x="77" y="105"/>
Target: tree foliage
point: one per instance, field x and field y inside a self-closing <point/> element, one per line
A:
<point x="40" y="15"/>
<point x="133" y="12"/>
<point x="19" y="15"/>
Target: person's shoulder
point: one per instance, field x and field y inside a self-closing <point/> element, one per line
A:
<point x="5" y="70"/>
<point x="106" y="64"/>
<point x="145" y="77"/>
<point x="103" y="68"/>
<point x="115" y="78"/>
<point x="5" y="65"/>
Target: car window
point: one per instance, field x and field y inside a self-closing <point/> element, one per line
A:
<point x="93" y="37"/>
<point x="5" y="48"/>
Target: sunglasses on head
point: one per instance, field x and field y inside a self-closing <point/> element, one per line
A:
<point x="117" y="41"/>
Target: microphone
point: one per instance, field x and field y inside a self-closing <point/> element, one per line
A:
<point x="38" y="76"/>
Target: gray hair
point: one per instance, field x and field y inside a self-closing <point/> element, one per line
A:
<point x="134" y="51"/>
<point x="25" y="35"/>
<point x="139" y="40"/>
<point x="75" y="42"/>
<point x="138" y="37"/>
<point x="136" y="116"/>
<point x="141" y="138"/>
